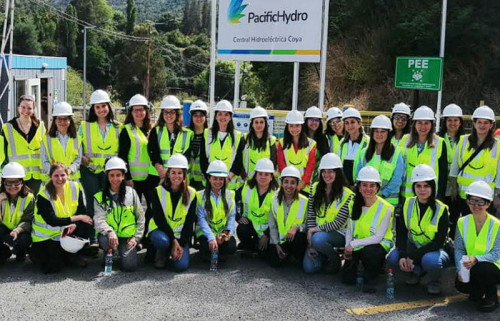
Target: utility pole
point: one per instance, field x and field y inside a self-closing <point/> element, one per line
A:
<point x="148" y="63"/>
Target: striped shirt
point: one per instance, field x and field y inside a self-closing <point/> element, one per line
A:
<point x="336" y="225"/>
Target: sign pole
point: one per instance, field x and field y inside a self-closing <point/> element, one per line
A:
<point x="211" y="86"/>
<point x="441" y="54"/>
<point x="295" y="96"/>
<point x="237" y="68"/>
<point x="324" y="48"/>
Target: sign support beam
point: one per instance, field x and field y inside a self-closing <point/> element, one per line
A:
<point x="444" y="10"/>
<point x="295" y="95"/>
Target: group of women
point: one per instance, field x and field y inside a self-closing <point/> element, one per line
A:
<point x="312" y="196"/>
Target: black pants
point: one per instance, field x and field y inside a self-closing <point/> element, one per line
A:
<point x="147" y="188"/>
<point x="372" y="257"/>
<point x="295" y="248"/>
<point x="454" y="208"/>
<point x="249" y="239"/>
<point x="20" y="245"/>
<point x="227" y="248"/>
<point x="484" y="277"/>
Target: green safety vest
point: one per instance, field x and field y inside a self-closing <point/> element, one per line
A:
<point x="219" y="217"/>
<point x="482" y="243"/>
<point x="97" y="148"/>
<point x="251" y="155"/>
<point x="257" y="214"/>
<point x="296" y="215"/>
<point x="329" y="213"/>
<point x="422" y="231"/>
<point x="2" y="150"/>
<point x="120" y="218"/>
<point x="195" y="174"/>
<point x="181" y="145"/>
<point x="395" y="141"/>
<point x="333" y="143"/>
<point x="482" y="168"/>
<point x="12" y="220"/>
<point x="343" y="145"/>
<point x="56" y="153"/>
<point x="175" y="218"/>
<point x="41" y="231"/>
<point x="369" y="222"/>
<point x="298" y="159"/>
<point x="138" y="156"/>
<point x="24" y="153"/>
<point x="429" y="156"/>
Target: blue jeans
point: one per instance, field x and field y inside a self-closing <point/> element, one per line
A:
<point x="161" y="242"/>
<point x="432" y="262"/>
<point x="323" y="243"/>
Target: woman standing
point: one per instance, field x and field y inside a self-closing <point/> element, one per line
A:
<point x="59" y="208"/>
<point x="334" y="128"/>
<point x="420" y="241"/>
<point x="314" y="130"/>
<point x="369" y="231"/>
<point x="23" y="139"/>
<point x="216" y="213"/>
<point x="119" y="217"/>
<point x="174" y="215"/>
<point x="297" y="150"/>
<point x="17" y="205"/>
<point x="353" y="142"/>
<point x="477" y="249"/>
<point x="61" y="144"/>
<point x="329" y="207"/>
<point x="400" y="118"/>
<point x="256" y="197"/>
<point x="286" y="220"/>
<point x="385" y="157"/>
<point x="423" y="146"/>
<point x="198" y="124"/>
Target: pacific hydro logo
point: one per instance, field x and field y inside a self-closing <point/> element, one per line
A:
<point x="236" y="7"/>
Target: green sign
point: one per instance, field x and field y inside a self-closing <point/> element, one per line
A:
<point x="419" y="73"/>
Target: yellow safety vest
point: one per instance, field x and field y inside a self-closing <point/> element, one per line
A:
<point x="182" y="142"/>
<point x="251" y="155"/>
<point x="368" y="223"/>
<point x="97" y="148"/>
<point x="138" y="156"/>
<point x="12" y="219"/>
<point x="298" y="159"/>
<point x="56" y="153"/>
<point x="482" y="168"/>
<point x="41" y="231"/>
<point x="175" y="218"/>
<point x="343" y="145"/>
<point x="395" y="141"/>
<point x="195" y="174"/>
<point x="296" y="215"/>
<point x="333" y="143"/>
<point x="429" y="156"/>
<point x="120" y="218"/>
<point x="2" y="150"/>
<point x="482" y="243"/>
<point x="219" y="217"/>
<point x="422" y="231"/>
<point x="24" y="153"/>
<point x="329" y="213"/>
<point x="257" y="214"/>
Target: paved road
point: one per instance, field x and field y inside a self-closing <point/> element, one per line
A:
<point x="245" y="289"/>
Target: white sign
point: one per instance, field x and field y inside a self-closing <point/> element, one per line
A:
<point x="270" y="30"/>
<point x="241" y="119"/>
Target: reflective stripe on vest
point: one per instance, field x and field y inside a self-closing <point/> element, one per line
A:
<point x="56" y="153"/>
<point x="482" y="243"/>
<point x="219" y="218"/>
<point x="251" y="156"/>
<point x="343" y="145"/>
<point x="329" y="214"/>
<point x="138" y="157"/>
<point x="120" y="218"/>
<point x="225" y="152"/>
<point x="182" y="142"/>
<point x="12" y="220"/>
<point x="97" y="149"/>
<point x="333" y="143"/>
<point x="257" y="213"/>
<point x="298" y="159"/>
<point x="296" y="215"/>
<point x="422" y="231"/>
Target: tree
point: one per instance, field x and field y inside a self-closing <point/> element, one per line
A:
<point x="205" y="17"/>
<point x="26" y="38"/>
<point x="131" y="16"/>
<point x="69" y="34"/>
<point x="168" y="22"/>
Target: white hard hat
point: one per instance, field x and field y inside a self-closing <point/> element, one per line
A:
<point x="290" y="171"/>
<point x="224" y="105"/>
<point x="381" y="121"/>
<point x="423" y="173"/>
<point x="294" y="117"/>
<point x="480" y="189"/>
<point x="484" y="112"/>
<point x="313" y="112"/>
<point x="423" y="113"/>
<point x="258" y="112"/>
<point x="13" y="170"/>
<point x="138" y="100"/>
<point x="333" y="112"/>
<point x="170" y="102"/>
<point x="115" y="163"/>
<point x="401" y="108"/>
<point x="99" y="96"/>
<point x="264" y="165"/>
<point x="198" y="105"/>
<point x="452" y="110"/>
<point x="218" y="168"/>
<point x="351" y="113"/>
<point x="330" y="161"/>
<point x="73" y="243"/>
<point x="62" y="109"/>
<point x="369" y="174"/>
<point x="178" y="161"/>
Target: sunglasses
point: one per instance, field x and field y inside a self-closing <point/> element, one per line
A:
<point x="477" y="202"/>
<point x="13" y="183"/>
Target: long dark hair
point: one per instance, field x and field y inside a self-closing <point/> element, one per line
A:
<point x="106" y="194"/>
<point x="387" y="150"/>
<point x="51" y="189"/>
<point x="281" y="193"/>
<point x="432" y="199"/>
<point x="488" y="142"/>
<point x="272" y="186"/>
<point x="253" y="141"/>
<point x="336" y="192"/>
<point x="184" y="186"/>
<point x="25" y="190"/>
<point x="329" y="130"/>
<point x="215" y="128"/>
<point x="191" y="123"/>
<point x="443" y="129"/>
<point x="359" y="202"/>
<point x="146" y="124"/>
<point x="71" y="128"/>
<point x="288" y="139"/>
<point x="208" y="205"/>
<point x="414" y="135"/>
<point x="317" y="133"/>
<point x="406" y="129"/>
<point x="34" y="118"/>
<point x="92" y="117"/>
<point x="178" y="120"/>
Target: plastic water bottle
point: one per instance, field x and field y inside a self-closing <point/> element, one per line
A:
<point x="360" y="278"/>
<point x="108" y="263"/>
<point x="214" y="260"/>
<point x="390" y="285"/>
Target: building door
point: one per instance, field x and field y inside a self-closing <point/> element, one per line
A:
<point x="33" y="89"/>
